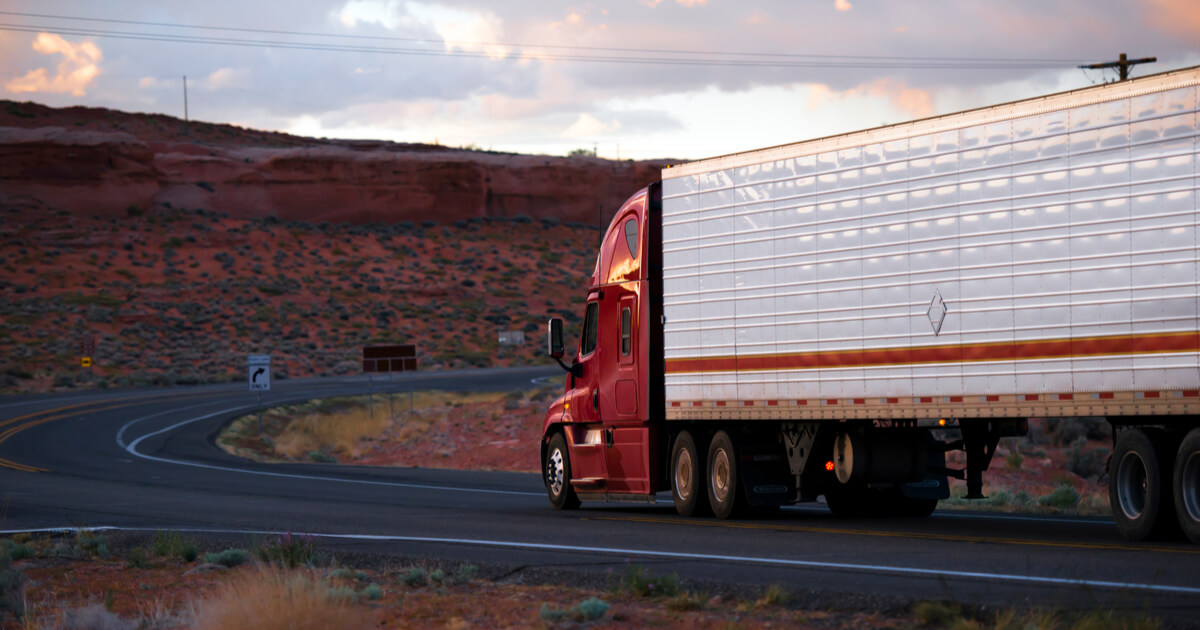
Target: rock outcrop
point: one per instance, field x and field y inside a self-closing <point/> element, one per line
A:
<point x="114" y="173"/>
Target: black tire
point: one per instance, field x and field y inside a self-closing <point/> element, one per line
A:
<point x="556" y="474"/>
<point x="723" y="481"/>
<point x="1139" y="488"/>
<point x="1186" y="485"/>
<point x="687" y="477"/>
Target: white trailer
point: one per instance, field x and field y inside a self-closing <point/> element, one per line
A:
<point x="826" y="304"/>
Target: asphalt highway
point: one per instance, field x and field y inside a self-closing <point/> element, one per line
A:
<point x="145" y="459"/>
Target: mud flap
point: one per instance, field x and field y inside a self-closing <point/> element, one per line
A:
<point x="931" y="487"/>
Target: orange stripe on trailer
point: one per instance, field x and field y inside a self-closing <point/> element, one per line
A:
<point x="965" y="353"/>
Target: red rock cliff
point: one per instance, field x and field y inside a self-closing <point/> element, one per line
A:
<point x="91" y="171"/>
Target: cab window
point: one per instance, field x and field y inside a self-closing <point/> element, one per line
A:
<point x="587" y="343"/>
<point x="631" y="239"/>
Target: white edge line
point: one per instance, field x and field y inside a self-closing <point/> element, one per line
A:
<point x="991" y="516"/>
<point x="132" y="450"/>
<point x="802" y="564"/>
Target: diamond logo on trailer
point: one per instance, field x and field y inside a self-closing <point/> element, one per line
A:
<point x="937" y="312"/>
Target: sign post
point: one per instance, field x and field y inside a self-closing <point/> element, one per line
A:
<point x="400" y="358"/>
<point x="258" y="376"/>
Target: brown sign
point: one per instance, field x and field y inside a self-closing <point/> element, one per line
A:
<point x="390" y="358"/>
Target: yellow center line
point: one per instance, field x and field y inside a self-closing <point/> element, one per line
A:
<point x="13" y="430"/>
<point x="886" y="534"/>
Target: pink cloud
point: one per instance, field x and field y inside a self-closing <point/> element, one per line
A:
<point x="842" y="5"/>
<point x="914" y="102"/>
<point x="1178" y="17"/>
<point x="79" y="66"/>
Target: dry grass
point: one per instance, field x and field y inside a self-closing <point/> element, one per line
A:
<point x="270" y="599"/>
<point x="341" y="431"/>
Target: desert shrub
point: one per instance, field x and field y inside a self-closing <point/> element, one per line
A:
<point x="12" y="587"/>
<point x="137" y="559"/>
<point x="89" y="543"/>
<point x="437" y="576"/>
<point x="273" y="599"/>
<point x="15" y="550"/>
<point x="321" y="458"/>
<point x="640" y="582"/>
<point x="687" y="601"/>
<point x="1085" y="462"/>
<point x="371" y="593"/>
<point x="1014" y="460"/>
<point x="1061" y="498"/>
<point x="414" y="577"/>
<point x="289" y="550"/>
<point x="465" y="573"/>
<point x="343" y="594"/>
<point x="939" y="614"/>
<point x="228" y="558"/>
<point x="775" y="595"/>
<point x="590" y="609"/>
<point x="172" y="545"/>
<point x="1067" y="430"/>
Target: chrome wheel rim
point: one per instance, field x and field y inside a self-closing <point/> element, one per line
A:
<point x="720" y="475"/>
<point x="1189" y="486"/>
<point x="683" y="474"/>
<point x="1132" y="485"/>
<point x="554" y="472"/>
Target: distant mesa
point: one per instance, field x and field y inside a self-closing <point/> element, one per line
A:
<point x="95" y="161"/>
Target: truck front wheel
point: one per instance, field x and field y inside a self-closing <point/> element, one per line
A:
<point x="687" y="477"/>
<point x="1139" y="486"/>
<point x="557" y="475"/>
<point x="725" y="494"/>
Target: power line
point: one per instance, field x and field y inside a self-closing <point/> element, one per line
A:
<point x="880" y="62"/>
<point x="973" y="62"/>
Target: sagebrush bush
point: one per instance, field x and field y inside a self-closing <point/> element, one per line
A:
<point x="289" y="550"/>
<point x="590" y="609"/>
<point x="640" y="582"/>
<point x="228" y="558"/>
<point x="1061" y="498"/>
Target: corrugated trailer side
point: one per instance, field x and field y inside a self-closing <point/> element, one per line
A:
<point x="1037" y="258"/>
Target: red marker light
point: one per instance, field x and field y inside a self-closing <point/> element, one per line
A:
<point x="829" y="465"/>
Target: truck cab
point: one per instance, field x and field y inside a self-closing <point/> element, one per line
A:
<point x="599" y="438"/>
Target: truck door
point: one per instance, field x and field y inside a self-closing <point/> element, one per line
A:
<point x="586" y="443"/>
<point x="621" y="384"/>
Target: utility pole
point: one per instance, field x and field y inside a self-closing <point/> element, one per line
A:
<point x="185" y="111"/>
<point x="1122" y="65"/>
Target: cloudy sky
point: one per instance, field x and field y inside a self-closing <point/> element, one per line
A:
<point x="634" y="78"/>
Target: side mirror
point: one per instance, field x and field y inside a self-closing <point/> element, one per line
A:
<point x="554" y="339"/>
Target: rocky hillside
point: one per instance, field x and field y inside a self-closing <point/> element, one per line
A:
<point x="99" y="162"/>
<point x="183" y="297"/>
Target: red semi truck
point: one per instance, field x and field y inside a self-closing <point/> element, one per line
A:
<point x="831" y="317"/>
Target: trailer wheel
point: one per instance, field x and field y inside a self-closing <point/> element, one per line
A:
<point x="557" y="475"/>
<point x="1187" y="485"/>
<point x="1139" y="490"/>
<point x="725" y="494"/>
<point x="687" y="477"/>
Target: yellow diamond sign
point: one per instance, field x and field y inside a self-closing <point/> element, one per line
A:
<point x="86" y="362"/>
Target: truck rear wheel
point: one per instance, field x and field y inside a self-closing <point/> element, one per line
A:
<point x="1187" y="485"/>
<point x="557" y="475"/>
<point x="725" y="494"/>
<point x="687" y="477"/>
<point x="1139" y="491"/>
